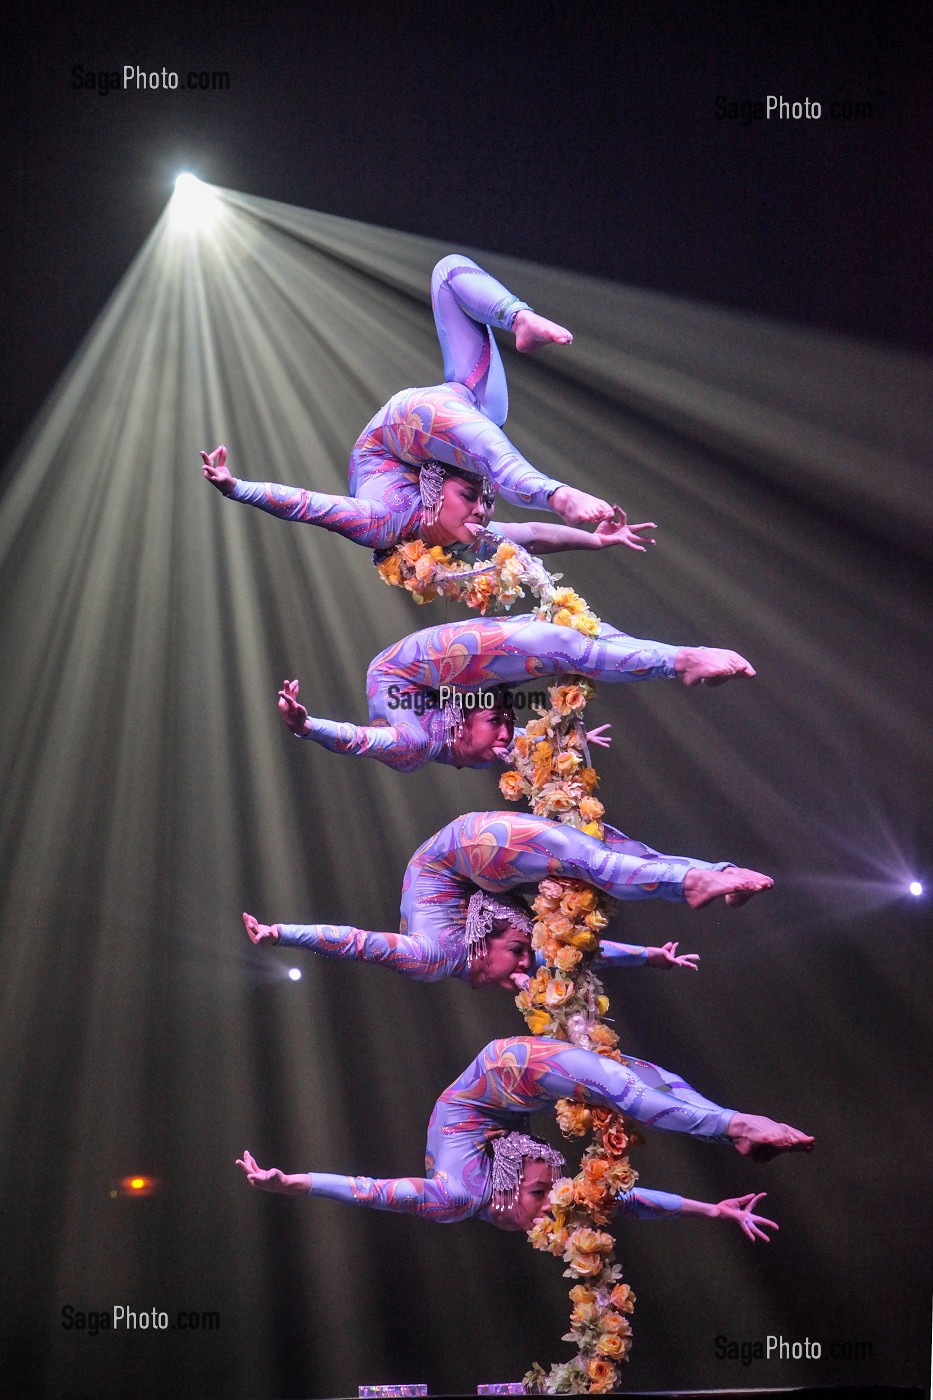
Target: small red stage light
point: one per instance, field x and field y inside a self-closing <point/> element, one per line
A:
<point x="136" y="1186"/>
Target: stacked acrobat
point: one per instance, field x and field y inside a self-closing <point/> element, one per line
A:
<point x="423" y="480"/>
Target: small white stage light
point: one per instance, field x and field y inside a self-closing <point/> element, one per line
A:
<point x="295" y="974"/>
<point x="915" y="888"/>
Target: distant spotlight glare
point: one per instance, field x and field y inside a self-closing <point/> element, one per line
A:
<point x="915" y="887"/>
<point x="194" y="205"/>
<point x="135" y="1186"/>
<point x="295" y="974"/>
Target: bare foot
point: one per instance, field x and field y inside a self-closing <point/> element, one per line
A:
<point x="735" y="885"/>
<point x="260" y="933"/>
<point x="532" y="331"/>
<point x="710" y="665"/>
<point x="762" y="1138"/>
<point x="579" y="507"/>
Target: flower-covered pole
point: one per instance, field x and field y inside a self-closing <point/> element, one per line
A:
<point x="551" y="769"/>
<point x="565" y="999"/>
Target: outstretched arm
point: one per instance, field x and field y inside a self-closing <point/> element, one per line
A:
<point x="631" y="955"/>
<point x="412" y="955"/>
<point x="660" y="1205"/>
<point x="401" y="748"/>
<point x="428" y="1197"/>
<point x="543" y="537"/>
<point x="364" y="522"/>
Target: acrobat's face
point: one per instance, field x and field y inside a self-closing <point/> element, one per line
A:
<point x="486" y="736"/>
<point x="537" y="1180"/>
<point x="467" y="503"/>
<point x="508" y="951"/>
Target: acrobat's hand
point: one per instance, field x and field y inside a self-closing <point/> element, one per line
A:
<point x="291" y="709"/>
<point x="264" y="1180"/>
<point x="742" y="1210"/>
<point x="579" y="507"/>
<point x="260" y="933"/>
<point x="599" y="737"/>
<point x="618" y="531"/>
<point x="215" y="470"/>
<point x="667" y="957"/>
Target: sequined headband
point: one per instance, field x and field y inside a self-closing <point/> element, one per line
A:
<point x="431" y="480"/>
<point x="509" y="1155"/>
<point x="482" y="912"/>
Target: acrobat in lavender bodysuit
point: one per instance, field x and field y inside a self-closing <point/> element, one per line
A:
<point x="508" y="1080"/>
<point x="496" y="852"/>
<point x="406" y="727"/>
<point x="458" y="423"/>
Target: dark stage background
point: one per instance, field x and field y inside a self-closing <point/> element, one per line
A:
<point x="750" y="307"/>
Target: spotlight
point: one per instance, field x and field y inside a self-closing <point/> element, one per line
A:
<point x="915" y="888"/>
<point x="194" y="205"/>
<point x="295" y="974"/>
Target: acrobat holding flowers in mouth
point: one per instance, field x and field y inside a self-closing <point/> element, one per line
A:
<point x="428" y="465"/>
<point x="476" y="1166"/>
<point x="407" y="727"/>
<point x="501" y="854"/>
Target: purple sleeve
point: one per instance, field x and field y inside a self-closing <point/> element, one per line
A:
<point x="621" y="954"/>
<point x="410" y="954"/>
<point x="365" y="522"/>
<point x="649" y="1205"/>
<point x="403" y="749"/>
<point x="431" y="1198"/>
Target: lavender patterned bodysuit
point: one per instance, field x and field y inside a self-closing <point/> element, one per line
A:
<point x="458" y="423"/>
<point x="406" y="727"/>
<point x="508" y="1080"/>
<point x="496" y="852"/>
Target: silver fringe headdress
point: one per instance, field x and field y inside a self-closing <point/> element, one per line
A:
<point x="482" y="912"/>
<point x="453" y="721"/>
<point x="431" y="480"/>
<point x="509" y="1155"/>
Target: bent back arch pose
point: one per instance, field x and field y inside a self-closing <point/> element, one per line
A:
<point x="408" y="728"/>
<point x="457" y="428"/>
<point x="497" y="853"/>
<point x="471" y="1169"/>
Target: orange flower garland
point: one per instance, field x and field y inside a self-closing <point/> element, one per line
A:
<point x="429" y="573"/>
<point x="566" y="1000"/>
<point x="550" y="763"/>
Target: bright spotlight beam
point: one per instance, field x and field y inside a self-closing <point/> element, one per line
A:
<point x="915" y="888"/>
<point x="194" y="206"/>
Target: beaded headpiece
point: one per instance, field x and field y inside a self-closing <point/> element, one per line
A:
<point x="482" y="912"/>
<point x="431" y="480"/>
<point x="509" y="1154"/>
